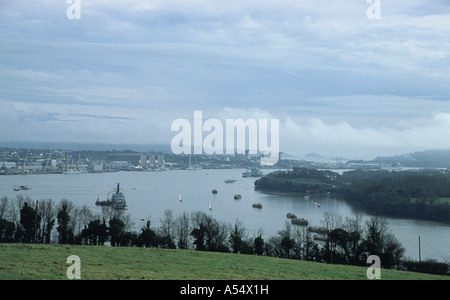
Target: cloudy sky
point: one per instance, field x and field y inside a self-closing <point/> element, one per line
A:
<point x="340" y="83"/>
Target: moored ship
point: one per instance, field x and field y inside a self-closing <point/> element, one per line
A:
<point x="117" y="200"/>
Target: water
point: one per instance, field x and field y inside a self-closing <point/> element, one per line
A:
<point x="149" y="194"/>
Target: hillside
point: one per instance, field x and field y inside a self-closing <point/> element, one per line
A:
<point x="37" y="262"/>
<point x="423" y="159"/>
<point x="420" y="194"/>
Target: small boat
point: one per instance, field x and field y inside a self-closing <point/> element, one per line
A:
<point x="306" y="197"/>
<point x="214" y="191"/>
<point x="257" y="205"/>
<point x="179" y="198"/>
<point x="316" y="204"/>
<point x="210" y="206"/>
<point x="291" y="215"/>
<point x="297" y="221"/>
<point x="230" y="180"/>
<point x="237" y="197"/>
<point x="21" y="188"/>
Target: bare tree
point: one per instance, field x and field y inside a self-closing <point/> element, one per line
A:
<point x="167" y="229"/>
<point x="4" y="203"/>
<point x="182" y="230"/>
<point x="47" y="211"/>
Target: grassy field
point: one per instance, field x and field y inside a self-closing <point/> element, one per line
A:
<point x="24" y="261"/>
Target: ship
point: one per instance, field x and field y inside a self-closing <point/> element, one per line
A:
<point x="252" y="172"/>
<point x="117" y="200"/>
<point x="75" y="171"/>
<point x="237" y="197"/>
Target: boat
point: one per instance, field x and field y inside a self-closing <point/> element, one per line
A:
<point x="229" y="180"/>
<point x="297" y="221"/>
<point x="291" y="215"/>
<point x="214" y="191"/>
<point x="21" y="188"/>
<point x="252" y="172"/>
<point x="257" y="205"/>
<point x="210" y="206"/>
<point x="237" y="197"/>
<point x="316" y="204"/>
<point x="117" y="200"/>
<point x="306" y="197"/>
<point x="75" y="171"/>
<point x="179" y="198"/>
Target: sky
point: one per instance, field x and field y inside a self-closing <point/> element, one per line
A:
<point x="340" y="82"/>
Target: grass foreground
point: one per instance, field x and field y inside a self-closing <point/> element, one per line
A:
<point x="49" y="262"/>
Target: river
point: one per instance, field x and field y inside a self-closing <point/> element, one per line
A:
<point x="149" y="194"/>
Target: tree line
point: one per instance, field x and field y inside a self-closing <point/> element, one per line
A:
<point x="346" y="240"/>
<point x="418" y="194"/>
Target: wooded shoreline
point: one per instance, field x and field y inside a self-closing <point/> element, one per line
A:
<point x="417" y="194"/>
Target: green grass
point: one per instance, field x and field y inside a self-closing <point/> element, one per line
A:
<point x="24" y="261"/>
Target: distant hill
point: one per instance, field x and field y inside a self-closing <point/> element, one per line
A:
<point x="424" y="159"/>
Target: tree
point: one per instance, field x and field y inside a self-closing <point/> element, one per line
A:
<point x="116" y="230"/>
<point x="167" y="230"/>
<point x="199" y="236"/>
<point x="236" y="238"/>
<point x="26" y="230"/>
<point x="286" y="243"/>
<point x="182" y="230"/>
<point x="7" y="230"/>
<point x="380" y="241"/>
<point x="258" y="245"/>
<point x="4" y="203"/>
<point x="147" y="237"/>
<point x="208" y="233"/>
<point x="66" y="235"/>
<point x="303" y="244"/>
<point x="95" y="233"/>
<point x="47" y="213"/>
